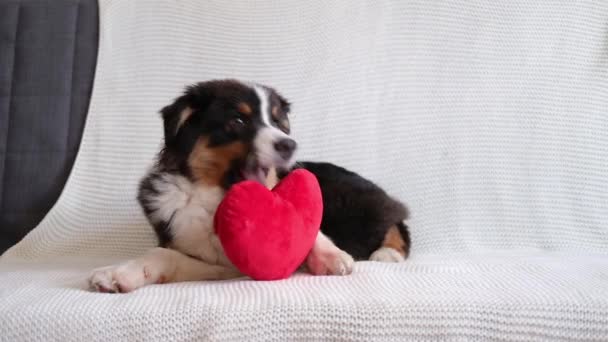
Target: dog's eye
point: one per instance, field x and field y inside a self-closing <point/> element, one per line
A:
<point x="236" y="124"/>
<point x="278" y="120"/>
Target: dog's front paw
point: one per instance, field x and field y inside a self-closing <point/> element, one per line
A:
<point x="330" y="262"/>
<point x="119" y="278"/>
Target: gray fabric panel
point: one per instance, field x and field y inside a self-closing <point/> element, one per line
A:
<point x="48" y="51"/>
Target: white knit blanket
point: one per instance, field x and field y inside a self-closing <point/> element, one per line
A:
<point x="489" y="118"/>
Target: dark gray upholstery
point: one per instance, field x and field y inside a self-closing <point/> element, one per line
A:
<point x="48" y="50"/>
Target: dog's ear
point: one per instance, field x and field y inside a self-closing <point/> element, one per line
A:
<point x="175" y="115"/>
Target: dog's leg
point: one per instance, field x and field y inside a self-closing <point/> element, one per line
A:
<point x="159" y="265"/>
<point x="325" y="258"/>
<point x="395" y="246"/>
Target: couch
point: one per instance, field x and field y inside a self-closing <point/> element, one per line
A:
<point x="489" y="119"/>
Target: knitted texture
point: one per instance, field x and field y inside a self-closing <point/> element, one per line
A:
<point x="488" y="118"/>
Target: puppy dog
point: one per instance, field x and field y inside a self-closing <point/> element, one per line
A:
<point x="221" y="132"/>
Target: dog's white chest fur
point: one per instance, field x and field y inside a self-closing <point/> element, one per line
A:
<point x="190" y="209"/>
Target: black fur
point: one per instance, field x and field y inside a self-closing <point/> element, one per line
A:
<point x="147" y="192"/>
<point x="356" y="212"/>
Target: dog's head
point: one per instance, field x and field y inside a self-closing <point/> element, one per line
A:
<point x="223" y="131"/>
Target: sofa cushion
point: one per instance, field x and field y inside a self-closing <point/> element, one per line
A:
<point x="487" y="297"/>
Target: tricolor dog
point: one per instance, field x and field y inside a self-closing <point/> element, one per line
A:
<point x="218" y="133"/>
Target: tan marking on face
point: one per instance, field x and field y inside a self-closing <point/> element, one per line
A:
<point x="183" y="116"/>
<point x="394" y="240"/>
<point x="209" y="164"/>
<point x="244" y="108"/>
<point x="275" y="111"/>
<point x="272" y="178"/>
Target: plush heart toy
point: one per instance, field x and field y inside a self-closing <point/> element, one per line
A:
<point x="268" y="234"/>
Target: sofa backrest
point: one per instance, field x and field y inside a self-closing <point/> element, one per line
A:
<point x="489" y="118"/>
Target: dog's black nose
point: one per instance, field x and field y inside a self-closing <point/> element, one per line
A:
<point x="285" y="147"/>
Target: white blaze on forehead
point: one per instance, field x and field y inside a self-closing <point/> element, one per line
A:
<point x="269" y="134"/>
<point x="264" y="104"/>
<point x="272" y="132"/>
<point x="264" y="97"/>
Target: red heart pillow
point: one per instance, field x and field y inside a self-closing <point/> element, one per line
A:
<point x="268" y="234"/>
